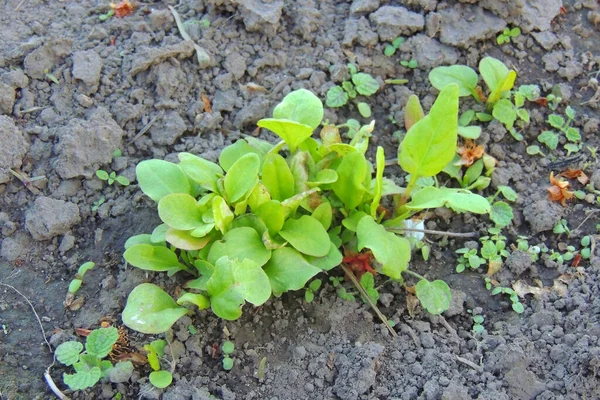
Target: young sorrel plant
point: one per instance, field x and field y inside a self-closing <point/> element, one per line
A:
<point x="268" y="218"/>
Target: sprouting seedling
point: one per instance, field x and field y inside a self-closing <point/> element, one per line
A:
<point x="312" y="288"/>
<point x="51" y="77"/>
<point x="227" y="349"/>
<point x="412" y="63"/>
<point x="561" y="227"/>
<point x="586" y="251"/>
<point x="359" y="84"/>
<point x="478" y="320"/>
<point x="107" y="15"/>
<point x="390" y="48"/>
<point x="96" y="204"/>
<point x="534" y="149"/>
<point x="517" y="306"/>
<point x="260" y="373"/>
<point x="158" y="377"/>
<point x="112" y="177"/>
<point x="507" y="34"/>
<point x="76" y="283"/>
<point x="558" y="122"/>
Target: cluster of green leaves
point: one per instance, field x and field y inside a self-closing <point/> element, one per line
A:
<point x="500" y="82"/>
<point x="412" y="63"/>
<point x="112" y="177"/>
<point x="551" y="138"/>
<point x="570" y="251"/>
<point x="90" y="365"/>
<point x="227" y="348"/>
<point x="360" y="83"/>
<point x="533" y="250"/>
<point x="261" y="223"/>
<point x="158" y="377"/>
<point x="311" y="289"/>
<point x="507" y="35"/>
<point x="493" y="249"/>
<point x="478" y="320"/>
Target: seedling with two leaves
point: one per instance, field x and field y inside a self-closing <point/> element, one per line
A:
<point x="572" y="134"/>
<point x="112" y="177"/>
<point x="507" y="35"/>
<point x="360" y="83"/>
<point x="159" y="378"/>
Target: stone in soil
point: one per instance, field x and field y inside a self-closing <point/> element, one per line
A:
<point x="260" y="15"/>
<point x="13" y="146"/>
<point x="543" y="215"/>
<point x="392" y="22"/>
<point x="49" y="217"/>
<point x="357" y="371"/>
<point x="45" y="58"/>
<point x="428" y="52"/>
<point x="87" y="66"/>
<point x="168" y="129"/>
<point x="455" y="31"/>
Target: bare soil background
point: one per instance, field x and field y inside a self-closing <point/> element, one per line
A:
<point x="133" y="75"/>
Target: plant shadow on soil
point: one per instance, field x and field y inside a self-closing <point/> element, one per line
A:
<point x="329" y="348"/>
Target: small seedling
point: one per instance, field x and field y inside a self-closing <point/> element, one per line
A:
<point x="51" y="77"/>
<point x="96" y="204"/>
<point x="551" y="138"/>
<point x="76" y="283"/>
<point x="507" y="35"/>
<point x="533" y="150"/>
<point x="158" y="378"/>
<point x="90" y="365"/>
<point x="112" y="177"/>
<point x="260" y="373"/>
<point x="412" y="63"/>
<point x="104" y="17"/>
<point x="359" y="84"/>
<point x="312" y="288"/>
<point x="477" y="323"/>
<point x="517" y="306"/>
<point x="227" y="349"/>
<point x="561" y="227"/>
<point x="390" y="48"/>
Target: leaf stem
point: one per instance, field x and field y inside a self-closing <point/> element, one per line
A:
<point x="434" y="232"/>
<point x="408" y="190"/>
<point x="408" y="271"/>
<point x="364" y="294"/>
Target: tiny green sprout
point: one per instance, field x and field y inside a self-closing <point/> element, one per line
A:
<point x="4" y="329"/>
<point x="412" y="63"/>
<point x="117" y="153"/>
<point x="478" y="324"/>
<point x="390" y="49"/>
<point x="76" y="283"/>
<point x="51" y="76"/>
<point x="227" y="349"/>
<point x="534" y="149"/>
<point x="96" y="204"/>
<point x="312" y="288"/>
<point x="192" y="330"/>
<point x="553" y="101"/>
<point x="593" y="152"/>
<point x="396" y="81"/>
<point x="112" y="177"/>
<point x="561" y="227"/>
<point x="104" y="17"/>
<point x="262" y="365"/>
<point x="507" y="34"/>
<point x="488" y="283"/>
<point x="336" y="281"/>
<point x="344" y="294"/>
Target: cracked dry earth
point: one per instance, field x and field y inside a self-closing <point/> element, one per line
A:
<point x="134" y="84"/>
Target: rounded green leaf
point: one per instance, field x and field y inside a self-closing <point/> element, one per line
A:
<point x="505" y="112"/>
<point x="160" y="379"/>
<point x="331" y="260"/>
<point x="457" y="199"/>
<point x="240" y="243"/>
<point x="194" y="298"/>
<point x="151" y="310"/>
<point x="273" y="215"/>
<point x="292" y="132"/>
<point x="203" y="172"/>
<point x="67" y="353"/>
<point x="277" y="177"/>
<point x="324" y="214"/>
<point x="180" y="211"/>
<point x="469" y="132"/>
<point x="364" y="109"/>
<point x="123" y="181"/>
<point x="139" y="239"/>
<point x="235" y="151"/>
<point x="465" y="77"/>
<point x="493" y="72"/>
<point x="306" y="235"/>
<point x="391" y="251"/>
<point x="102" y="174"/>
<point x="413" y="112"/>
<point x="434" y="296"/>
<point x="152" y="258"/>
<point x="185" y="241"/>
<point x="430" y="144"/>
<point x="242" y="177"/>
<point x="121" y="372"/>
<point x="227" y="363"/>
<point x="85" y="267"/>
<point x="83" y="379"/>
<point x="288" y="270"/>
<point x="365" y="84"/>
<point x="158" y="178"/>
<point x="74" y="285"/>
<point x="336" y="97"/>
<point x="100" y="341"/>
<point x="323" y="177"/>
<point x="228" y="347"/>
<point x="549" y="138"/>
<point x="518" y="308"/>
<point x="301" y="106"/>
<point x="351" y="174"/>
<point x="501" y="213"/>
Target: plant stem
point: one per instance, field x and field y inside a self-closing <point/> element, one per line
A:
<point x="434" y="232"/>
<point x="408" y="190"/>
<point x="408" y="271"/>
<point x="368" y="299"/>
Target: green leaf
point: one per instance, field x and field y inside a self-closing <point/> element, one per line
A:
<point x="293" y="133"/>
<point x="474" y="172"/>
<point x="67" y="353"/>
<point x="364" y="109"/>
<point x="413" y="111"/>
<point x="152" y="258"/>
<point x="228" y="347"/>
<point x="121" y="372"/>
<point x="239" y="244"/>
<point x="100" y="341"/>
<point x="235" y="281"/>
<point x="288" y="270"/>
<point x="508" y="193"/>
<point x="85" y="267"/>
<point x="549" y="138"/>
<point x="497" y="77"/>
<point x="102" y="174"/>
<point x="469" y="132"/>
<point x="232" y="153"/>
<point x="398" y="41"/>
<point x="273" y="215"/>
<point x="434" y="296"/>
<point x="196" y="299"/>
<point x="83" y="379"/>
<point x="222" y="214"/>
<point x="518" y="308"/>
<point x="277" y="177"/>
<point x="315" y="285"/>
<point x="391" y="251"/>
<point x="74" y="285"/>
<point x="523" y="114"/>
<point x="227" y="363"/>
<point x="573" y="135"/>
<point x="158" y="236"/>
<point x="365" y="84"/>
<point x="306" y="235"/>
<point x="300" y="106"/>
<point x="501" y="213"/>
<point x="139" y="239"/>
<point x="505" y="112"/>
<point x="151" y="310"/>
<point x="533" y="150"/>
<point x="123" y="181"/>
<point x="180" y="211"/>
<point x="323" y="177"/>
<point x="336" y="97"/>
<point x="531" y="92"/>
<point x="389" y="50"/>
<point x="378" y="190"/>
<point x="158" y="178"/>
<point x="160" y="379"/>
<point x="556" y="121"/>
<point x="324" y="214"/>
<point x="430" y="144"/>
<point x="309" y="296"/>
<point x="456" y="199"/>
<point x="465" y="77"/>
<point x="489" y="250"/>
<point x="331" y="260"/>
<point x="242" y="177"/>
<point x="368" y="283"/>
<point x="203" y="172"/>
<point x="352" y="172"/>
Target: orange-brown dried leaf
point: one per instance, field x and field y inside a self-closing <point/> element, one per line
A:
<point x="206" y="102"/>
<point x="542" y="101"/>
<point x="559" y="190"/>
<point x="411" y="304"/>
<point x="469" y="153"/>
<point x="480" y="93"/>
<point x="122" y="9"/>
<point x="82" y="332"/>
<point x="576" y="174"/>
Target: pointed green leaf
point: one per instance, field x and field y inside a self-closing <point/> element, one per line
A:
<point x="203" y="172"/>
<point x="413" y="112"/>
<point x="430" y="144"/>
<point x="306" y="235"/>
<point x="100" y="341"/>
<point x="158" y="178"/>
<point x="180" y="211"/>
<point x="352" y="172"/>
<point x="234" y="282"/>
<point x="288" y="270"/>
<point x="151" y="310"/>
<point x="434" y="296"/>
<point x="378" y="192"/>
<point x="465" y="77"/>
<point x="239" y="244"/>
<point x="277" y="177"/>
<point x="273" y="215"/>
<point x="292" y="132"/>
<point x="152" y="258"/>
<point x="242" y="177"/>
<point x="457" y="199"/>
<point x="391" y="251"/>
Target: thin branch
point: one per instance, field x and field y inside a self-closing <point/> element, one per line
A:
<point x="144" y="129"/>
<point x="368" y="299"/>
<point x="434" y="232"/>
<point x="592" y="212"/>
<point x="470" y="363"/>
